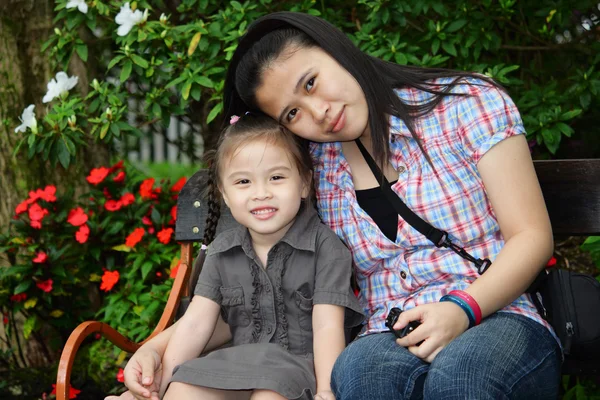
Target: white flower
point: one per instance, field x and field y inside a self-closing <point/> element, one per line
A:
<point x="28" y="120"/>
<point x="80" y="4"/>
<point x="58" y="86"/>
<point x="127" y="19"/>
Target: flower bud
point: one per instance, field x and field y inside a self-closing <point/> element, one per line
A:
<point x="72" y="120"/>
<point x="95" y="84"/>
<point x="163" y="18"/>
<point x="163" y="34"/>
<point x="109" y="113"/>
<point x="57" y="31"/>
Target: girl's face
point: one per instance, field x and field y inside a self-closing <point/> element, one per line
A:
<point x="263" y="188"/>
<point x="308" y="92"/>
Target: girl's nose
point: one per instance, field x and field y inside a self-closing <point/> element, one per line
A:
<point x="261" y="192"/>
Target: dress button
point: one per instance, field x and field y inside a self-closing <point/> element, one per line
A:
<point x="403" y="274"/>
<point x="269" y="330"/>
<point x="268" y="289"/>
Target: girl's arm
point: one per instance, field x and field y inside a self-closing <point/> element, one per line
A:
<point x="328" y="343"/>
<point x="190" y="336"/>
<point x="515" y="195"/>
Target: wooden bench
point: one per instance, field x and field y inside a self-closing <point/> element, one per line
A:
<point x="571" y="191"/>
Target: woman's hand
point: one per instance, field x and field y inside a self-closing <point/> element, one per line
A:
<point x="440" y="324"/>
<point x="142" y="376"/>
<point x="325" y="395"/>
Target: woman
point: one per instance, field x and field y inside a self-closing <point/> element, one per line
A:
<point x="452" y="146"/>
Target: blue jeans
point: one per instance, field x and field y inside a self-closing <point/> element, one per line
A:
<point x="507" y="356"/>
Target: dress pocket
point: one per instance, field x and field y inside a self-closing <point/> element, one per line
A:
<point x="233" y="307"/>
<point x="305" y="306"/>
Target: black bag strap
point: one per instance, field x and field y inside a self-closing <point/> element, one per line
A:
<point x="438" y="237"/>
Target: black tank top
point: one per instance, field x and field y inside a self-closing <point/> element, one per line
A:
<point x="379" y="208"/>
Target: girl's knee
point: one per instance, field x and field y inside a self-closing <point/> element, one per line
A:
<point x="261" y="394"/>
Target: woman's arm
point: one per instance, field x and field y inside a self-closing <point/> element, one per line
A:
<point x="190" y="336"/>
<point x="328" y="342"/>
<point x="513" y="190"/>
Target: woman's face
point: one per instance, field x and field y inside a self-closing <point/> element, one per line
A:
<point x="312" y="95"/>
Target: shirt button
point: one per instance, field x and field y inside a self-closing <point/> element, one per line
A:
<point x="269" y="330"/>
<point x="403" y="274"/>
<point x="401" y="169"/>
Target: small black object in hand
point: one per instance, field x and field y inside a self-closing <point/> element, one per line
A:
<point x="391" y="320"/>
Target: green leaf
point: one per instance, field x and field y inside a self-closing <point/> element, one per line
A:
<point x="114" y="62"/>
<point x="570" y="114"/>
<point x="551" y="139"/>
<point x="139" y="61"/>
<point x="29" y="326"/>
<point x="126" y="71"/>
<point x="565" y="129"/>
<point x="204" y="81"/>
<point x="146" y="268"/>
<point x="449" y="48"/>
<point x="82" y="51"/>
<point x="23" y="286"/>
<point x="185" y="91"/>
<point x="63" y="153"/>
<point x="214" y="112"/>
<point x="435" y="46"/>
<point x="236" y="5"/>
<point x="456" y="25"/>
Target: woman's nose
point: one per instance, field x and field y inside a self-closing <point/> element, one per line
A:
<point x="319" y="109"/>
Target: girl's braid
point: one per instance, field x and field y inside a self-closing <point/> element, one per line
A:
<point x="213" y="199"/>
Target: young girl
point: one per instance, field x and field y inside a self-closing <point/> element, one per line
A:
<point x="278" y="280"/>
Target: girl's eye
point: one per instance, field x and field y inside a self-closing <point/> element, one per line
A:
<point x="292" y="114"/>
<point x="309" y="85"/>
<point x="277" y="177"/>
<point x="243" y="182"/>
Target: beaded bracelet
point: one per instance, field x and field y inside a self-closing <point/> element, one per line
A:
<point x="462" y="304"/>
<point x="471" y="302"/>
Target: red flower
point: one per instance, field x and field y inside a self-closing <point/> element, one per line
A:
<point x="82" y="234"/>
<point x="22" y="207"/>
<point x="127" y="199"/>
<point x="551" y="262"/>
<point x="179" y="184"/>
<point x="146" y="188"/>
<point x="113" y="205"/>
<point x="97" y="175"/>
<point x="47" y="194"/>
<point x="77" y="217"/>
<point x="164" y="236"/>
<point x="146" y="220"/>
<point x="121" y="375"/>
<point x="116" y="166"/>
<point x="174" y="271"/>
<point x="37" y="213"/>
<point x="72" y="391"/>
<point x="40" y="258"/>
<point x="5" y="319"/>
<point x="173" y="215"/>
<point x="45" y="286"/>
<point x="106" y="193"/>
<point x="135" y="237"/>
<point x="120" y="177"/>
<point x="36" y="224"/>
<point x="158" y="273"/>
<point x="17" y="298"/>
<point x="109" y="280"/>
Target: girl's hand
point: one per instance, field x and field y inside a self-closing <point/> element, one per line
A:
<point x="325" y="395"/>
<point x="440" y="324"/>
<point x="142" y="376"/>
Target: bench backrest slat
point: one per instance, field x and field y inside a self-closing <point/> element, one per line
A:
<point x="571" y="190"/>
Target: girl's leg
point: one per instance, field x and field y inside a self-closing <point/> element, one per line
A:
<point x="375" y="367"/>
<point x="508" y="356"/>
<point x="184" y="391"/>
<point x="266" y="395"/>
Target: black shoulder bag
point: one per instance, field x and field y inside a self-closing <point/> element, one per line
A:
<point x="569" y="301"/>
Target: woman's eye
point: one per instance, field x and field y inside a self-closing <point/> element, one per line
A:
<point x="309" y="85"/>
<point x="292" y="114"/>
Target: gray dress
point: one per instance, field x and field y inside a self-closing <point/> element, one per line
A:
<point x="269" y="310"/>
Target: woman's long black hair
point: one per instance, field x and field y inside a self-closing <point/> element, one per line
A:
<point x="269" y="36"/>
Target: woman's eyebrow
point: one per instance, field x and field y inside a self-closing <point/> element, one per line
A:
<point x="296" y="88"/>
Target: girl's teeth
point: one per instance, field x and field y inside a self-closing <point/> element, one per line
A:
<point x="263" y="211"/>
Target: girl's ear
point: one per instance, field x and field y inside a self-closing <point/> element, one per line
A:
<point x="306" y="185"/>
